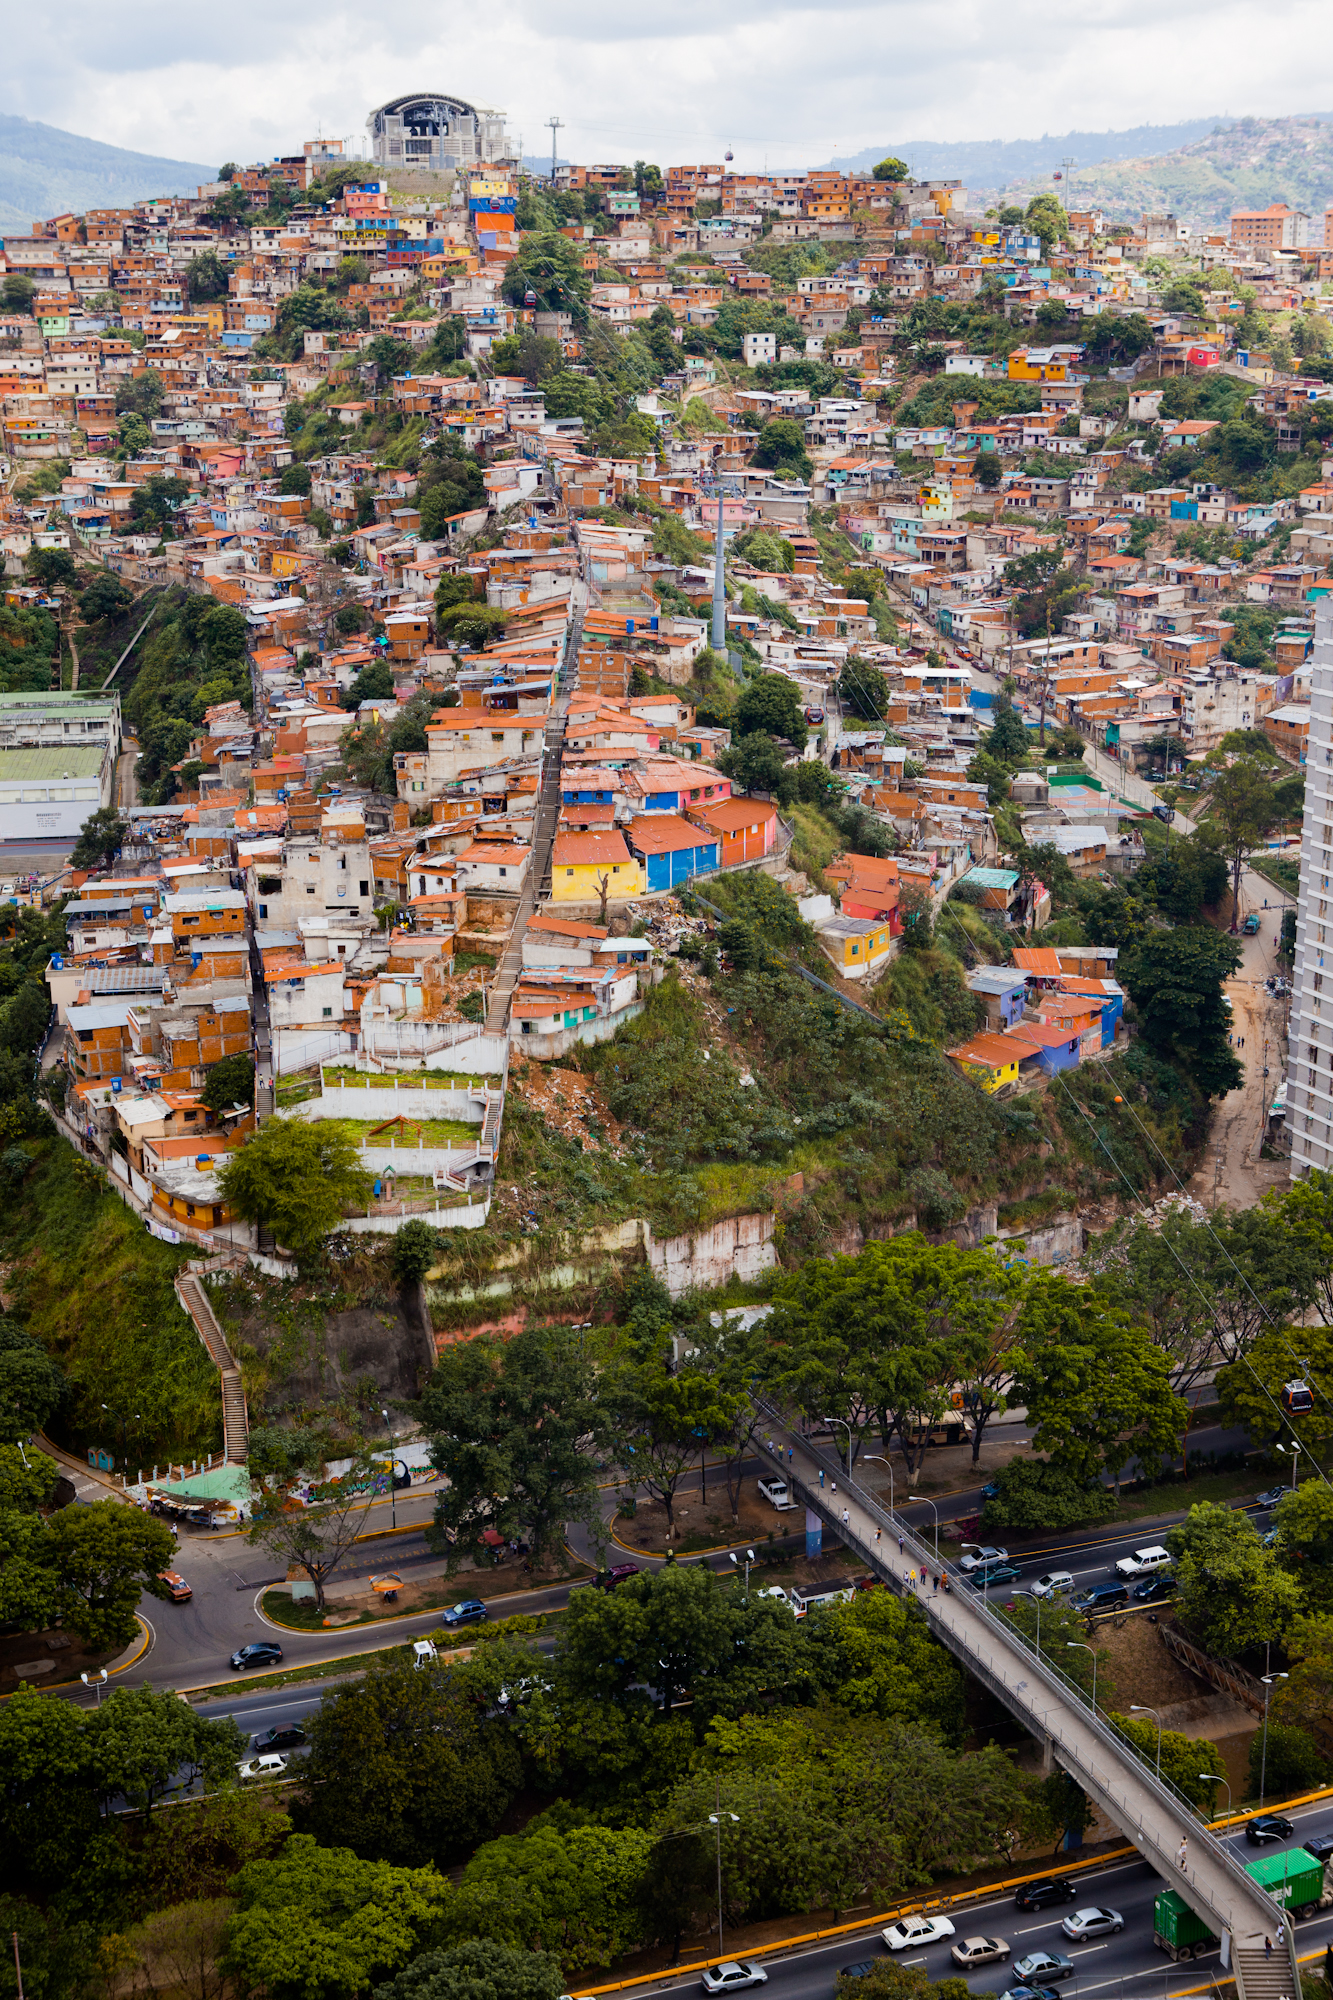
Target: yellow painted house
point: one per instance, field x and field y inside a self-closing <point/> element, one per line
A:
<point x="580" y="862"/>
<point x="857" y="945"/>
<point x="992" y="1059"/>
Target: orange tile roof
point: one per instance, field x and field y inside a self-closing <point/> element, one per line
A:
<point x="573" y="850"/>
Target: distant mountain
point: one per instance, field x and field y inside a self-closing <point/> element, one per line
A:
<point x="44" y="171"/>
<point x="994" y="163"/>
<point x="1247" y="164"/>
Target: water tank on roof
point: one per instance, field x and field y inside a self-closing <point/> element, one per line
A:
<point x="203" y="1159"/>
<point x="57" y="962"/>
<point x="115" y="1086"/>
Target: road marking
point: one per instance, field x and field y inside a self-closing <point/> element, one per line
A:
<point x="1086" y="1949"/>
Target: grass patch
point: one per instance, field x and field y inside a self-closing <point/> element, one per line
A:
<point x="1279" y="869"/>
<point x="296" y="1089"/>
<point x="815" y="842"/>
<point x="430" y="1131"/>
<point x="408" y="1079"/>
<point x="1176" y="1494"/>
<point x="1035" y="1209"/>
<point x="97" y="1290"/>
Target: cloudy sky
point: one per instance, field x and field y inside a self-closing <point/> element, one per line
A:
<point x="780" y="82"/>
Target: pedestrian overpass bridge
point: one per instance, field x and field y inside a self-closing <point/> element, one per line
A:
<point x="1167" y="1830"/>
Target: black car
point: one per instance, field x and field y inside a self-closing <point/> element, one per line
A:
<point x="1102" y="1597"/>
<point x="290" y="1738"/>
<point x="1154" y="1588"/>
<point x="1164" y="813"/>
<point x="860" y="1970"/>
<point x="261" y="1653"/>
<point x="1321" y="1846"/>
<point x="1036" y="1895"/>
<point x="1268" y="1826"/>
<point x="610" y="1579"/>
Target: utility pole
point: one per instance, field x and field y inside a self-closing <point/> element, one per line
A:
<point x="719" y="584"/>
<point x="555" y="125"/>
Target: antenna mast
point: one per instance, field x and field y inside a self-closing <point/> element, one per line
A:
<point x="555" y="125"/>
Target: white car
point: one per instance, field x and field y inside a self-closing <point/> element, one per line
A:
<point x="916" y="1931"/>
<point x="1054" y="1584"/>
<point x="1092" y="1923"/>
<point x="730" y="1978"/>
<point x="269" y="1765"/>
<point x="976" y="1556"/>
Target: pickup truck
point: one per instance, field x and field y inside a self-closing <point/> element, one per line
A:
<point x="777" y="1492"/>
<point x="1251" y="924"/>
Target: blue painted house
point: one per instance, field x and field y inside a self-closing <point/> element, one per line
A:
<point x="670" y="849"/>
<point x="1002" y="991"/>
<point x="1047" y="1047"/>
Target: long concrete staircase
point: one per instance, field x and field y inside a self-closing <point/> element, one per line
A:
<point x="193" y="1295"/>
<point x="1261" y="1978"/>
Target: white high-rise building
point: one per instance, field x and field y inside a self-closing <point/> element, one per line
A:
<point x="1310" y="1047"/>
<point x="435" y="134"/>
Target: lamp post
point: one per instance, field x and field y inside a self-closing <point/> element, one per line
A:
<point x="1077" y="1646"/>
<point x="1268" y="1680"/>
<point x="97" y="1681"/>
<point x="393" y="1488"/>
<point x="847" y="1427"/>
<point x="923" y="1501"/>
<point x="715" y="1820"/>
<point x="1295" y="1450"/>
<point x="1217" y="1779"/>
<point x="735" y="1563"/>
<point x="881" y="1458"/>
<point x="1037" y="1601"/>
<point x="1142" y="1708"/>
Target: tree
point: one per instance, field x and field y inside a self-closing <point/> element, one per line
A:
<point x="315" y="1537"/>
<point x="1175" y="979"/>
<point x="1036" y="1497"/>
<point x="317" y="1923"/>
<point x="1250" y="1389"/>
<point x="298" y="1178"/>
<point x="576" y="1892"/>
<point x="105" y="597"/>
<point x="515" y="1424"/>
<point x="1305" y="1215"/>
<point x="1244" y="809"/>
<point x="875" y="1656"/>
<point x="229" y="1082"/>
<point x="1045" y="217"/>
<point x="1285" y="1760"/>
<point x="295" y="479"/>
<point x="478" y="1970"/>
<point x="887" y="1335"/>
<point x="405" y="1767"/>
<point x="104" y="1556"/>
<point x="863" y="689"/>
<point x="17" y="293"/>
<point x="53" y="569"/>
<point x="417" y="1248"/>
<point x="666" y="1630"/>
<point x="756" y="763"/>
<point x="373" y="683"/>
<point x="891" y="169"/>
<point x="1096" y="1389"/>
<point x="32" y="1387"/>
<point x="1305" y="1699"/>
<point x="550" y="265"/>
<point x="989" y="471"/>
<point x="661" y="1420"/>
<point x="155" y="502"/>
<point x="1234" y="1593"/>
<point x="1181" y="1759"/>
<point x="101" y="837"/>
<point x="772" y="703"/>
<point x="180" y="1946"/>
<point x="142" y="1744"/>
<point x="1305" y="1527"/>
<point x="781" y="447"/>
<point x="1007" y="738"/>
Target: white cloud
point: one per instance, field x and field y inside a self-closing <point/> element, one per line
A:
<point x="773" y="79"/>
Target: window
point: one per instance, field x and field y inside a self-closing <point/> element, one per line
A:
<point x="365" y="888"/>
<point x="569" y="871"/>
<point x="263" y="909"/>
<point x="616" y="868"/>
<point x="328" y="1013"/>
<point x="504" y="871"/>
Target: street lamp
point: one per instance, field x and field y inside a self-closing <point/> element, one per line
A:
<point x="393" y="1486"/>
<point x="715" y="1820"/>
<point x="1037" y="1601"/>
<point x="847" y="1427"/>
<point x="1295" y="1450"/>
<point x="1217" y="1779"/>
<point x="923" y="1501"/>
<point x="1142" y="1708"/>
<point x="880" y="1458"/>
<point x="1077" y="1646"/>
<point x="97" y="1681"/>
<point x="735" y="1563"/>
<point x="1268" y="1680"/>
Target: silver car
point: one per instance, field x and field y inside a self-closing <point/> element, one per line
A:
<point x="1092" y="1923"/>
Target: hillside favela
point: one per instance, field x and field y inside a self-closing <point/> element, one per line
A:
<point x="666" y="1090"/>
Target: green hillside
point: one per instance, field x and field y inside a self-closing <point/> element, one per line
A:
<point x="1248" y="164"/>
<point x="44" y="171"/>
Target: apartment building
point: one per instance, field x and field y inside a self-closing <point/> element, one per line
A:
<point x="1310" y="1045"/>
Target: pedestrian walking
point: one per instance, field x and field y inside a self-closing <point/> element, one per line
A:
<point x="912" y="1575"/>
<point x="821" y="1476"/>
<point x="1268" y="1947"/>
<point x="1281" y="1936"/>
<point x="835" y="1486"/>
<point x="846" y="1518"/>
<point x="877" y="1538"/>
<point x="1182" y="1852"/>
<point x="936" y="1582"/>
<point x="900" y="1544"/>
<point x="906" y="1579"/>
<point x="789" y="1454"/>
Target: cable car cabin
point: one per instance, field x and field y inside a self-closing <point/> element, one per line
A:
<point x="1297" y="1398"/>
<point x="529" y="297"/>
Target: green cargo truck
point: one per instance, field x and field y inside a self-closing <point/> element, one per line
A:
<point x="1177" y="1931"/>
<point x="1293" y="1878"/>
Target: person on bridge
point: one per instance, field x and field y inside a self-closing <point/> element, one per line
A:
<point x="846" y="1518"/>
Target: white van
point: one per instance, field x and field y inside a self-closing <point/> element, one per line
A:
<point x="1143" y="1562"/>
<point x="776" y="1491"/>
